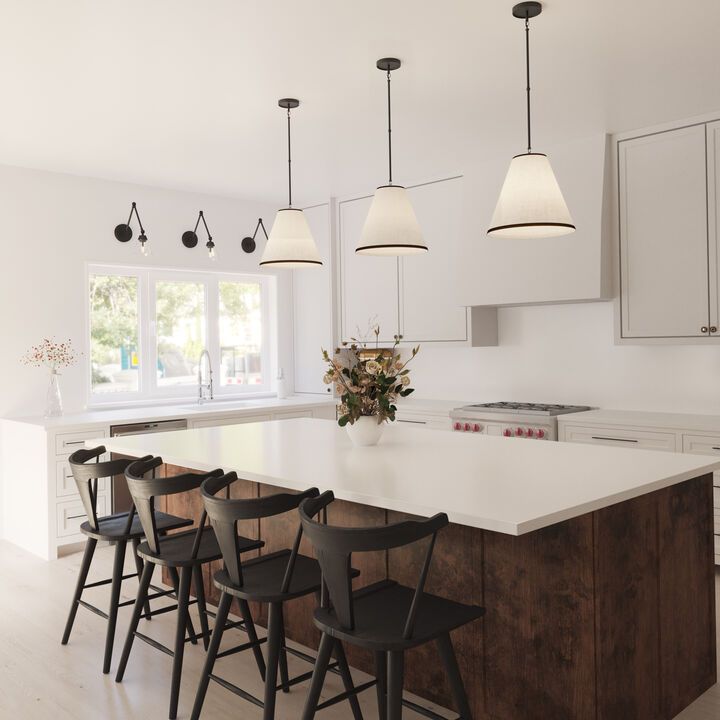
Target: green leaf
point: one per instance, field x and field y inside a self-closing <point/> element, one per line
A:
<point x="406" y="392"/>
<point x="343" y="420"/>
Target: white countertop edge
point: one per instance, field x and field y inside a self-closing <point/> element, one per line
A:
<point x="408" y="506"/>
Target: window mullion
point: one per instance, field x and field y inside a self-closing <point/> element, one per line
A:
<point x="212" y="328"/>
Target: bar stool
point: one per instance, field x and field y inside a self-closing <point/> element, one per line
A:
<point x="275" y="579"/>
<point x="185" y="552"/>
<point x="385" y="617"/>
<point x="117" y="530"/>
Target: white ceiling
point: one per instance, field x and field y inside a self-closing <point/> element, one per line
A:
<point x="182" y="93"/>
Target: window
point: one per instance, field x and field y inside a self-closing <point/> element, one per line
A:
<point x="147" y="330"/>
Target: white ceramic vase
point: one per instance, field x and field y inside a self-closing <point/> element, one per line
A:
<point x="53" y="399"/>
<point x="365" y="431"/>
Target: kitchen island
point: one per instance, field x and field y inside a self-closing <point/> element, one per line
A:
<point x="595" y="564"/>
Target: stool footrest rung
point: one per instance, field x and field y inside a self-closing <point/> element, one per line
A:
<point x="100" y="583"/>
<point x="154" y="643"/>
<point x="348" y="693"/>
<point x="241" y="648"/>
<point x="238" y="691"/>
<point x="93" y="609"/>
<point x="425" y="712"/>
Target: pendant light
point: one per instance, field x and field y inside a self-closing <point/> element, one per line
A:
<point x="291" y="243"/>
<point x="391" y="227"/>
<point x="531" y="204"/>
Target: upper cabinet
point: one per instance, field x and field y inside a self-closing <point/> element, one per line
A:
<point x="312" y="308"/>
<point x="412" y="296"/>
<point x="571" y="268"/>
<point x="667" y="251"/>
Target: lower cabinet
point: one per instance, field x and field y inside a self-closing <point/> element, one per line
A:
<point x="647" y="438"/>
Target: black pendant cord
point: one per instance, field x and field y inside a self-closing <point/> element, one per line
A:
<point x="527" y="75"/>
<point x="134" y="209"/>
<point x="389" y="131"/>
<point x="289" y="164"/>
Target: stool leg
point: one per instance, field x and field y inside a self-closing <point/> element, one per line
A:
<point x="118" y="566"/>
<point x="252" y="636"/>
<point x="347" y="680"/>
<point x="82" y="579"/>
<point x="457" y="687"/>
<point x="175" y="578"/>
<point x="318" y="677"/>
<point x="395" y="685"/>
<point x="139" y="568"/>
<point x="220" y="620"/>
<point x="284" y="677"/>
<point x="202" y="608"/>
<point x="182" y="623"/>
<point x="273" y="658"/>
<point x="381" y="687"/>
<point x="137" y="611"/>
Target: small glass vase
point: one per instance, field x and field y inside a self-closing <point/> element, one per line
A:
<point x="365" y="431"/>
<point x="53" y="401"/>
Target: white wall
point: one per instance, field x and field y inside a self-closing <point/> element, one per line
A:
<point x="52" y="224"/>
<point x="566" y="354"/>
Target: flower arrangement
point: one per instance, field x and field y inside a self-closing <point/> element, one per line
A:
<point x="368" y="380"/>
<point x="51" y="354"/>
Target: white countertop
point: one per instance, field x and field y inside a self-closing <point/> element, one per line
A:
<point x="506" y="485"/>
<point x="187" y="409"/>
<point x="644" y="419"/>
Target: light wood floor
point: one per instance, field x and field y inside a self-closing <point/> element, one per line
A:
<point x="40" y="679"/>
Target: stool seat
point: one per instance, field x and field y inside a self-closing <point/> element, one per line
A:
<point x="380" y="612"/>
<point x="263" y="577"/>
<point x="176" y="549"/>
<point x="112" y="527"/>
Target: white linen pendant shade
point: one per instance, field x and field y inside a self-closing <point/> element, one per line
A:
<point x="391" y="227"/>
<point x="531" y="204"/>
<point x="290" y="244"/>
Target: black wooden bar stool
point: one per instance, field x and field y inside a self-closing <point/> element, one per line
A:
<point x="275" y="579"/>
<point x="385" y="617"/>
<point x="117" y="530"/>
<point x="185" y="552"/>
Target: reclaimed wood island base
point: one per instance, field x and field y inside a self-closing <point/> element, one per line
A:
<point x="607" y="615"/>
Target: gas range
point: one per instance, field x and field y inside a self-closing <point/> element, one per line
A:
<point x="537" y="421"/>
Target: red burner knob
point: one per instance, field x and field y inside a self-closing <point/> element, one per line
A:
<point x="541" y="433"/>
<point x="519" y="432"/>
<point x="467" y="427"/>
<point x="530" y="432"/>
<point x="457" y="426"/>
<point x="507" y="433"/>
<point x="476" y="428"/>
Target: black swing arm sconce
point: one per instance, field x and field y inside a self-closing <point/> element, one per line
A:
<point x="248" y="243"/>
<point x="190" y="238"/>
<point x="124" y="233"/>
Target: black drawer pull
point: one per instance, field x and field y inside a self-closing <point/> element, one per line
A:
<point x="614" y="439"/>
<point x="715" y="448"/>
<point x="75" y="517"/>
<point x="414" y="422"/>
<point x="73" y="442"/>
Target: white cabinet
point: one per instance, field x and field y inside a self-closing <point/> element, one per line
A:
<point x="412" y="296"/>
<point x="227" y="420"/>
<point x="312" y="308"/>
<point x="369" y="285"/>
<point x="664" y="234"/>
<point x="427" y="312"/>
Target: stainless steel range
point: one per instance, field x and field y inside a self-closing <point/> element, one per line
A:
<point x="536" y="421"/>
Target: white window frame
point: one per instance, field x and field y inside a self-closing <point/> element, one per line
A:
<point x="148" y="278"/>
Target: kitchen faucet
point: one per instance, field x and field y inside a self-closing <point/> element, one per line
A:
<point x="202" y="387"/>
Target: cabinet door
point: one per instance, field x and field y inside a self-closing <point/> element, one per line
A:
<point x="369" y="285"/>
<point x="428" y="308"/>
<point x="663" y="234"/>
<point x="713" y="175"/>
<point x="312" y="308"/>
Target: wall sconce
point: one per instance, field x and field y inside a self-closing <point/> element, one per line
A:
<point x="190" y="238"/>
<point x="124" y="233"/>
<point x="248" y="243"/>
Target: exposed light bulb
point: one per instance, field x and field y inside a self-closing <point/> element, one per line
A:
<point x="210" y="245"/>
<point x="144" y="249"/>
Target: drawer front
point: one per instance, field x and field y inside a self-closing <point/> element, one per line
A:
<point x="67" y="443"/>
<point x="615" y="437"/>
<point x="716" y="497"/>
<point x="71" y="514"/>
<point x="232" y="420"/>
<point x="432" y="422"/>
<point x="65" y="482"/>
<point x="289" y="415"/>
